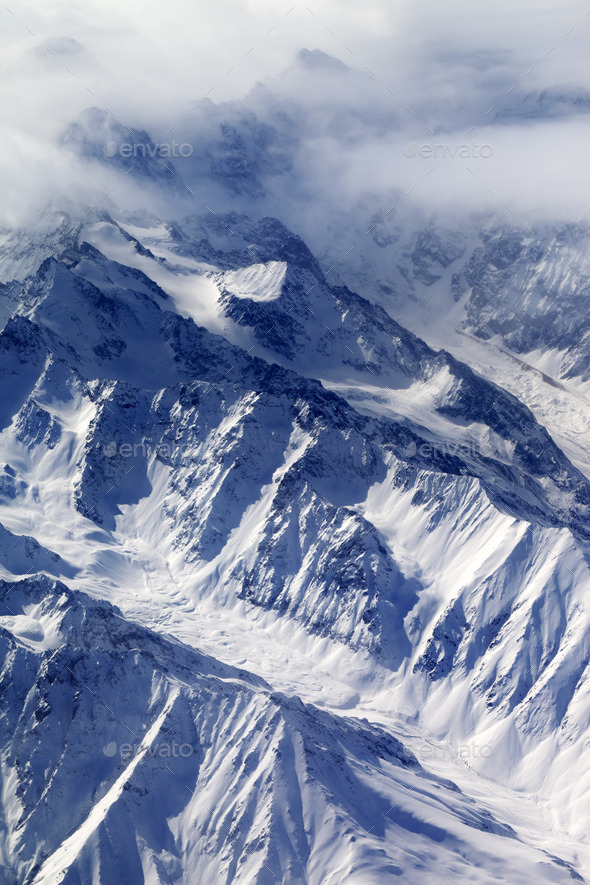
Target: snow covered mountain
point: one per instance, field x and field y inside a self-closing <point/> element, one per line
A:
<point x="267" y="474"/>
<point x="168" y="766"/>
<point x="294" y="511"/>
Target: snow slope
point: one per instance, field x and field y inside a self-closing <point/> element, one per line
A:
<point x="149" y="762"/>
<point x="322" y="537"/>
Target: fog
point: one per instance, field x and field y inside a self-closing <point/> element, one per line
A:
<point x="448" y="107"/>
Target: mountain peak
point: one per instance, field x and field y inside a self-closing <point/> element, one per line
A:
<point x="315" y="60"/>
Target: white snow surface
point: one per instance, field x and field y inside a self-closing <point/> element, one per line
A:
<point x="260" y="282"/>
<point x="312" y="564"/>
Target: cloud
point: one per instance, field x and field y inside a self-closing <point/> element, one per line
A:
<point x="305" y="135"/>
